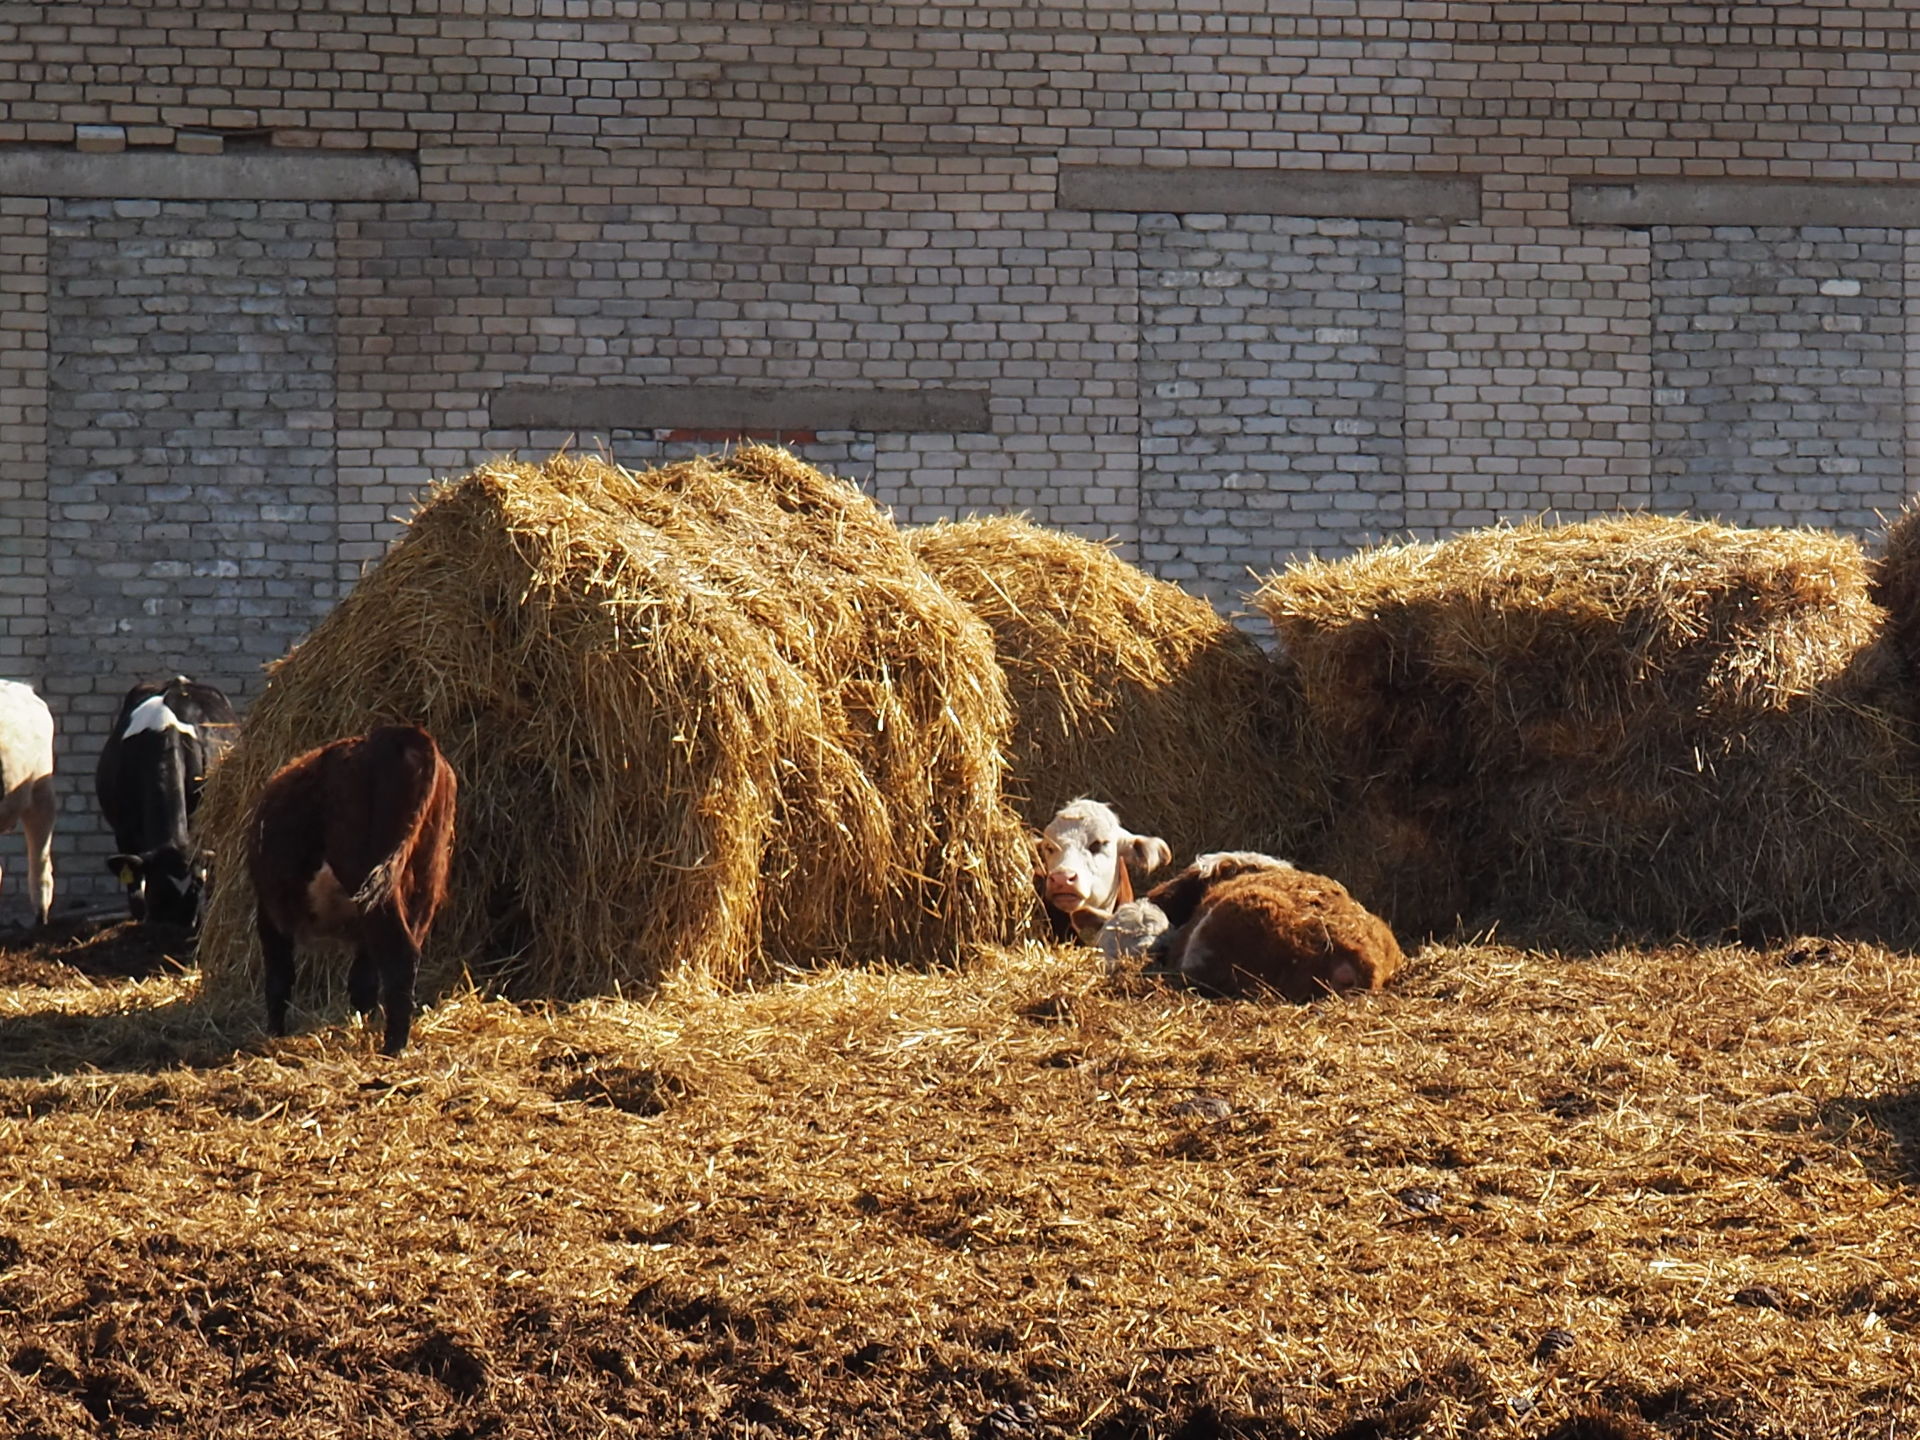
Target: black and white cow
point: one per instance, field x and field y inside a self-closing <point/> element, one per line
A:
<point x="162" y="744"/>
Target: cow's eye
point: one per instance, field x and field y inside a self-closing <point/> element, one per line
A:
<point x="1095" y="847"/>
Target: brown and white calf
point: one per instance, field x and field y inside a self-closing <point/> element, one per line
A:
<point x="1245" y="923"/>
<point x="1085" y="856"/>
<point x="352" y="842"/>
<point x="26" y="785"/>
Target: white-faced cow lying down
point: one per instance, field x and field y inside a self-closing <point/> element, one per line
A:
<point x="163" y="742"/>
<point x="352" y="842"/>
<point x="26" y="785"/>
<point x="1248" y="923"/>
<point x="1085" y="854"/>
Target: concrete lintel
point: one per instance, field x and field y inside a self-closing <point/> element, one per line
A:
<point x="601" y="408"/>
<point x="1747" y="202"/>
<point x="1316" y="194"/>
<point x="237" y="175"/>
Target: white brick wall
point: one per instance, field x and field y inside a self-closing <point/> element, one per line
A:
<point x="866" y="196"/>
<point x="1527" y="375"/>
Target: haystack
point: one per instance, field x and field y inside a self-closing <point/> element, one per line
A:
<point x="1896" y="586"/>
<point x="1126" y="688"/>
<point x="713" y="716"/>
<point x="1661" y="724"/>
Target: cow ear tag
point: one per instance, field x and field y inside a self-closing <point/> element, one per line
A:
<point x="126" y="875"/>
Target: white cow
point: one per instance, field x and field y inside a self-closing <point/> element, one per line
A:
<point x="26" y="784"/>
<point x="1085" y="855"/>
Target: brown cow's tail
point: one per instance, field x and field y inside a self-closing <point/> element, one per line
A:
<point x="383" y="877"/>
<point x="381" y="881"/>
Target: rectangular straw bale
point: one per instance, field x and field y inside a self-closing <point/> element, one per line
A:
<point x="1665" y="724"/>
<point x="710" y="716"/>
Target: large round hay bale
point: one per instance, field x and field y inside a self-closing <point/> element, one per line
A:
<point x="711" y="716"/>
<point x="1663" y="724"/>
<point x="1126" y="688"/>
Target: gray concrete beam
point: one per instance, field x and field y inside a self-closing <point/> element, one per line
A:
<point x="236" y="175"/>
<point x="1313" y="194"/>
<point x="738" y="407"/>
<point x="1742" y="202"/>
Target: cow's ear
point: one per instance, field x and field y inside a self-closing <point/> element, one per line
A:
<point x="1147" y="853"/>
<point x="126" y="868"/>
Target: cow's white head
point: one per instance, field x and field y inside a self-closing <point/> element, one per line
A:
<point x="1084" y="853"/>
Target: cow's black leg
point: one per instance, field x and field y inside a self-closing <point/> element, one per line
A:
<point x="399" y="960"/>
<point x="363" y="981"/>
<point x="276" y="971"/>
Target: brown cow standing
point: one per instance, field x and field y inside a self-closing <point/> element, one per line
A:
<point x="352" y="842"/>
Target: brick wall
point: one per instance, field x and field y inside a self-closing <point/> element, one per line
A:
<point x="1226" y="282"/>
<point x="190" y="495"/>
<point x="1272" y="375"/>
<point x="1527" y="375"/>
<point x="23" y="437"/>
<point x="1780" y="363"/>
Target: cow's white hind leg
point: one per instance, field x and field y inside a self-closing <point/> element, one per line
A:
<point x="37" y="824"/>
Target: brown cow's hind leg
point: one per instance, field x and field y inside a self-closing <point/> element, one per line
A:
<point x="398" y="957"/>
<point x="276" y="970"/>
<point x="363" y="982"/>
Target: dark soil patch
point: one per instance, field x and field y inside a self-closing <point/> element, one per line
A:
<point x="101" y="950"/>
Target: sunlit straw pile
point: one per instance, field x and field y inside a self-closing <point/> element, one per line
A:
<point x="709" y="717"/>
<point x="1126" y="688"/>
<point x="1659" y="724"/>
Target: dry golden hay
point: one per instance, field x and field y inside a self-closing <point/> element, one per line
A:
<point x="1663" y="724"/>
<point x="1126" y="688"/>
<point x="863" y="1203"/>
<point x="712" y="716"/>
<point x="1896" y="585"/>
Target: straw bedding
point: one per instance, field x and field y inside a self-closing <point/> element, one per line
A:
<point x="1677" y="1188"/>
<point x="1127" y="689"/>
<point x="1659" y="724"/>
<point x="713" y="716"/>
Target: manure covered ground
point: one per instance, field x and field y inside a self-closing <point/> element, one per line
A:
<point x="1666" y="1192"/>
